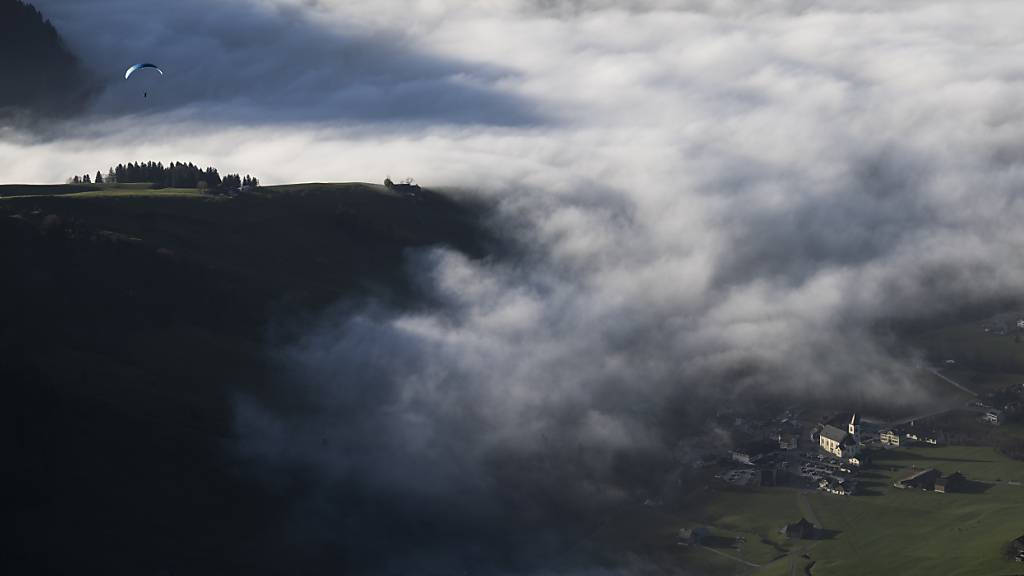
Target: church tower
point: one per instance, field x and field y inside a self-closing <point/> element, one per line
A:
<point x="854" y="427"/>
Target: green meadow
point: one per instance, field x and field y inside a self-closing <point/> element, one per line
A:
<point x="886" y="530"/>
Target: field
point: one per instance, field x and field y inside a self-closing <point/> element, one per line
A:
<point x="885" y="531"/>
<point x="981" y="358"/>
<point x="92" y="190"/>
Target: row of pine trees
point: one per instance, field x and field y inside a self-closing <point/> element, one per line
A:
<point x="173" y="175"/>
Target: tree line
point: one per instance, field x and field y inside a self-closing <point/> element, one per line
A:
<point x="173" y="175"/>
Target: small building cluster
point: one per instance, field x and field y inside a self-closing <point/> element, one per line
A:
<point x="837" y="486"/>
<point x="912" y="433"/>
<point x="1002" y="405"/>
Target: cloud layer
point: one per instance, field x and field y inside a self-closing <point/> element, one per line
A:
<point x="713" y="199"/>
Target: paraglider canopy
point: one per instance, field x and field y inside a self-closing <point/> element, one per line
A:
<point x="132" y="70"/>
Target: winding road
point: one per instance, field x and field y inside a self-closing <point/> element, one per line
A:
<point x="731" y="557"/>
<point x="953" y="382"/>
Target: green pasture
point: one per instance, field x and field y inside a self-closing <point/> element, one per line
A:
<point x="885" y="531"/>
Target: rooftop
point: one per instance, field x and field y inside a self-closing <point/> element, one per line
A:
<point x="833" y="433"/>
<point x="919" y="474"/>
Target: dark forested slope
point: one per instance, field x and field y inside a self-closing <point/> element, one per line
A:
<point x="37" y="70"/>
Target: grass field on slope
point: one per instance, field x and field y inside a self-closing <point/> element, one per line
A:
<point x="917" y="532"/>
<point x="886" y="531"/>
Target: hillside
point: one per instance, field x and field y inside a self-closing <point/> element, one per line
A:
<point x="132" y="317"/>
<point x="39" y="71"/>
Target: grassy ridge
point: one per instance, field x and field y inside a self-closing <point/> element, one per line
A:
<point x="9" y="190"/>
<point x="306" y="240"/>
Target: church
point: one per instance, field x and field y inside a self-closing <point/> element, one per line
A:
<point x="839" y="442"/>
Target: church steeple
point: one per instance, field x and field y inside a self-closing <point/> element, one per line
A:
<point x="854" y="427"/>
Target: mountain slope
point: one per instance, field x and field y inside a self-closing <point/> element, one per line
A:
<point x="38" y="72"/>
<point x="132" y="318"/>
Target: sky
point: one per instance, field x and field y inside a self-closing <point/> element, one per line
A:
<point x="713" y="199"/>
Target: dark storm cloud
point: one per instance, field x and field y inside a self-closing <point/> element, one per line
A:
<point x="234" y="61"/>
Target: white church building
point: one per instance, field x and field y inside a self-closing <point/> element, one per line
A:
<point x="841" y="443"/>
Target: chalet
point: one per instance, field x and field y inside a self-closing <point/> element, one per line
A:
<point x="920" y="479"/>
<point x="890" y="437"/>
<point x="993" y="417"/>
<point x="801" y="529"/>
<point x="407" y="186"/>
<point x="952" y="483"/>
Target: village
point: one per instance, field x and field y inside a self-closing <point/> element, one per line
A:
<point x="849" y="455"/>
<point x="829" y="454"/>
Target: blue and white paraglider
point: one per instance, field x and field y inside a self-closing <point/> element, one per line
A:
<point x="132" y="70"/>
